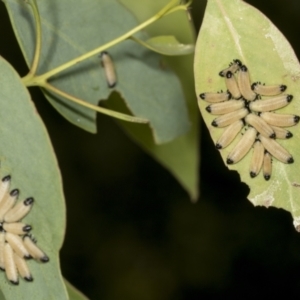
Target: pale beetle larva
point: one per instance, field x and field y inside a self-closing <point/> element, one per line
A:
<point x="253" y="104"/>
<point x="16" y="245"/>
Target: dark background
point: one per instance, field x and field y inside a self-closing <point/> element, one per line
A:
<point x="132" y="232"/>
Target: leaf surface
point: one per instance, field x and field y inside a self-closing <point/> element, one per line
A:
<point x="180" y="156"/>
<point x="232" y="29"/>
<point x="168" y="45"/>
<point x="27" y="155"/>
<point x="69" y="31"/>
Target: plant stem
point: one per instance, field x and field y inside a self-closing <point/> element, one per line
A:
<point x="38" y="43"/>
<point x="102" y="110"/>
<point x="179" y="7"/>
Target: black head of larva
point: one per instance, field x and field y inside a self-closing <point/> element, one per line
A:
<point x="28" y="201"/>
<point x="218" y="146"/>
<point x="254" y="85"/>
<point x="229" y="96"/>
<point x="208" y="108"/>
<point x="272" y="136"/>
<point x="214" y="123"/>
<point x="288" y="135"/>
<point x="290" y="160"/>
<point x="238" y="62"/>
<point x="289" y="98"/>
<point x="296" y="119"/>
<point x="27" y="228"/>
<point x="244" y="68"/>
<point x="202" y="96"/>
<point x="14" y="193"/>
<point x="221" y="73"/>
<point x="253" y="174"/>
<point x="283" y="88"/>
<point x="229" y="161"/>
<point x="229" y="74"/>
<point x="30" y="278"/>
<point x="6" y="178"/>
<point x="44" y="259"/>
<point x="103" y="53"/>
<point x="1" y="227"/>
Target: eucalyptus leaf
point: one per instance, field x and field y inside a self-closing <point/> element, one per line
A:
<point x="27" y="155"/>
<point x="149" y="91"/>
<point x="74" y="294"/>
<point x="167" y="45"/>
<point x="2" y="296"/>
<point x="232" y="29"/>
<point x="180" y="156"/>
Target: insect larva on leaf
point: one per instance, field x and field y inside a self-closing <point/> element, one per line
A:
<point x="257" y="114"/>
<point x="22" y="267"/>
<point x="242" y="147"/>
<point x="229" y="118"/>
<point x="268" y="90"/>
<point x="282" y="133"/>
<point x="257" y="158"/>
<point x="271" y="103"/>
<point x="215" y="97"/>
<point x="4" y="186"/>
<point x="280" y="120"/>
<point x="233" y="67"/>
<point x="16" y="228"/>
<point x="260" y="125"/>
<point x="229" y="134"/>
<point x="17" y="244"/>
<point x="243" y="79"/>
<point x="2" y="242"/>
<point x="109" y="69"/>
<point x="8" y="202"/>
<point x="33" y="249"/>
<point x="19" y="211"/>
<point x="232" y="85"/>
<point x="10" y="266"/>
<point x="267" y="165"/>
<point x="276" y="150"/>
<point x="225" y="107"/>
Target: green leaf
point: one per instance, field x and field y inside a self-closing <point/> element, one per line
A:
<point x="2" y="296"/>
<point x="69" y="31"/>
<point x="27" y="155"/>
<point x="181" y="156"/>
<point x="74" y="294"/>
<point x="167" y="45"/>
<point x="232" y="29"/>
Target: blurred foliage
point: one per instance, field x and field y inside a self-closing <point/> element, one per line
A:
<point x="132" y="232"/>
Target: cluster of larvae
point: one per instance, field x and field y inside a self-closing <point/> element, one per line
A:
<point x="16" y="244"/>
<point x="252" y="105"/>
